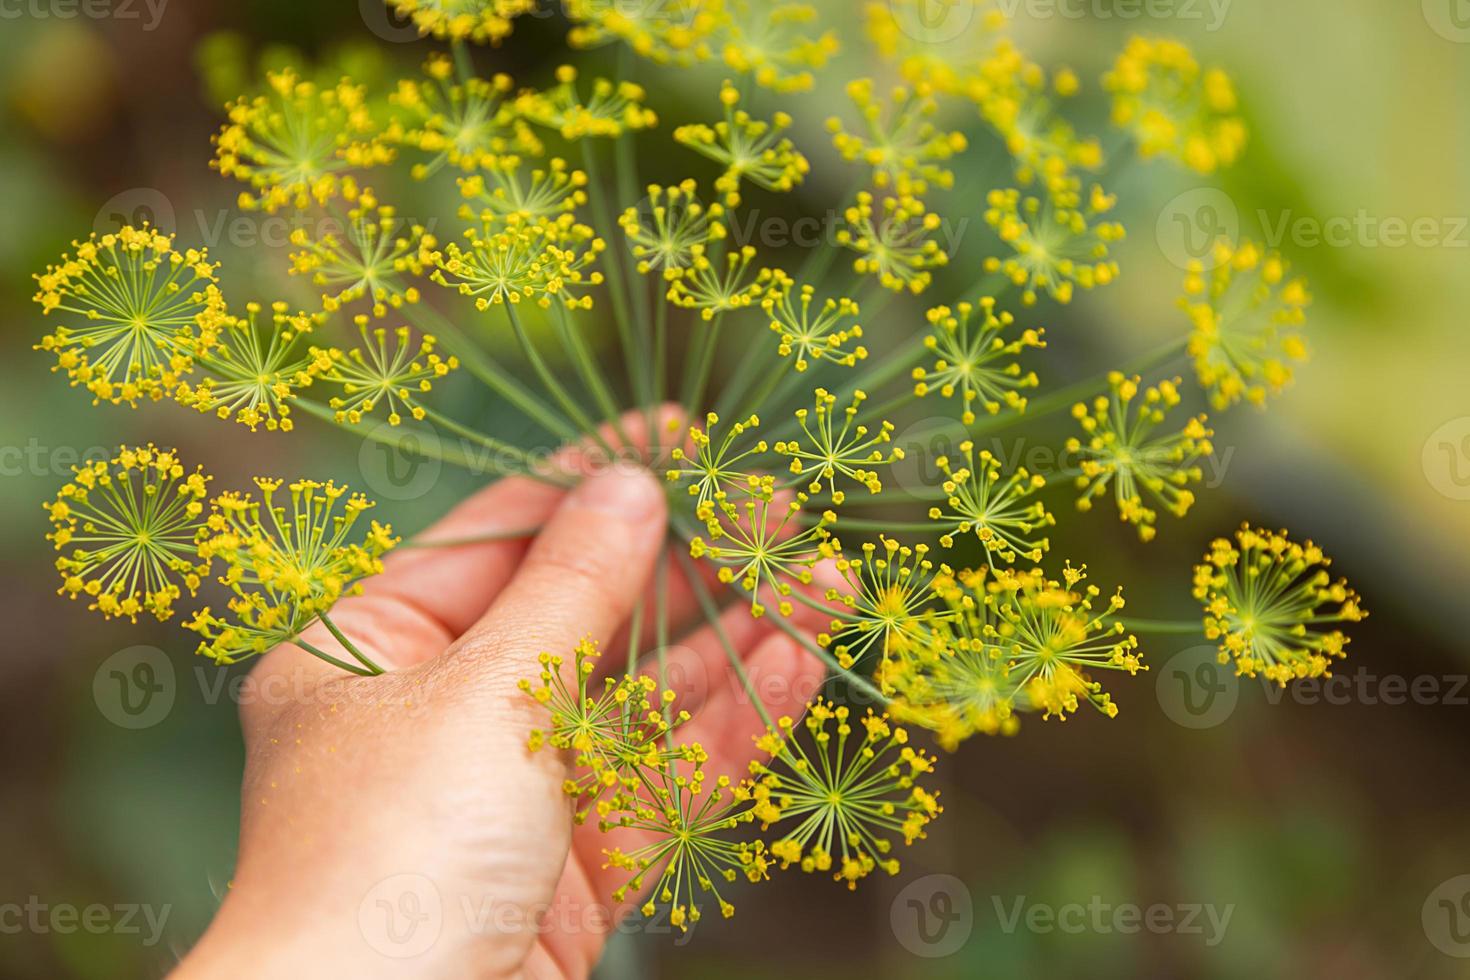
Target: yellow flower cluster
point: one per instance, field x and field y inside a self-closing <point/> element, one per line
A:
<point x="1174" y="109"/>
<point x="139" y="311"/>
<point x="285" y="566"/>
<point x="1246" y="312"/>
<point x="133" y="536"/>
<point x="1270" y="602"/>
<point x="486" y="21"/>
<point x="1122" y="451"/>
<point x="748" y="148"/>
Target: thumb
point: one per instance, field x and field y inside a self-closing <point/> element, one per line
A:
<point x="581" y="577"/>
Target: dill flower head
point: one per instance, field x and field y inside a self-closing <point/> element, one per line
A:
<point x="894" y="246"/>
<point x="1247" y="316"/>
<point x="291" y="142"/>
<point x="1122" y="450"/>
<point x="827" y="450"/>
<point x="748" y="148"/>
<point x="968" y="355"/>
<point x="849" y="796"/>
<point x="613" y="733"/>
<point x="691" y="851"/>
<point x="885" y="602"/>
<point x="1017" y="101"/>
<point x="760" y="544"/>
<point x="125" y="529"/>
<point x="668" y="32"/>
<point x="900" y="141"/>
<point x="611" y="109"/>
<point x="980" y="500"/>
<point x="926" y="49"/>
<point x="505" y="186"/>
<point x="514" y="259"/>
<point x="391" y="373"/>
<point x="769" y="40"/>
<point x="464" y="125"/>
<point x="1273" y="606"/>
<point x="956" y="683"/>
<point x="717" y="468"/>
<point x="374" y="259"/>
<point x="138" y="309"/>
<point x="712" y="286"/>
<point x="1052" y="637"/>
<point x="1059" y="240"/>
<point x="255" y="370"/>
<point x="285" y="565"/>
<point x="825" y="333"/>
<point x="464" y="20"/>
<point x="1172" y="108"/>
<point x="665" y="231"/>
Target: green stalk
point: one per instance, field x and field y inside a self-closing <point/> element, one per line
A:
<point x="348" y="645"/>
<point x="576" y="346"/>
<point x="548" y="379"/>
<point x="712" y="616"/>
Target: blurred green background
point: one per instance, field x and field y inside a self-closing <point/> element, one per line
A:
<point x="1329" y="829"/>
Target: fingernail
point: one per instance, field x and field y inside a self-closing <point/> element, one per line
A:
<point x="630" y="492"/>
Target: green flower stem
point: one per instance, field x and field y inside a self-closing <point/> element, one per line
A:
<point x="348" y="645"/>
<point x="339" y="664"/>
<point x="874" y="524"/>
<point x="513" y="534"/>
<point x="860" y="683"/>
<point x="492" y="444"/>
<point x="489" y="373"/>
<point x="732" y="393"/>
<point x="464" y="62"/>
<point x="697" y="368"/>
<point x="712" y="616"/>
<point x="1065" y="398"/>
<point x="891" y="405"/>
<point x="661" y="633"/>
<point x="635" y="633"/>
<point x="587" y="368"/>
<point x="619" y="279"/>
<point x="553" y="386"/>
<point x="427" y="448"/>
<point x="1163" y="626"/>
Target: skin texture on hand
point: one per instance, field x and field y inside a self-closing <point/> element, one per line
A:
<point x="398" y="825"/>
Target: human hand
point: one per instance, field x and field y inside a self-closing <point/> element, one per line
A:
<point x="414" y="792"/>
